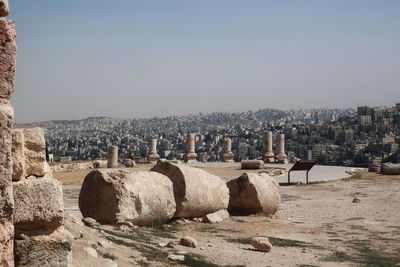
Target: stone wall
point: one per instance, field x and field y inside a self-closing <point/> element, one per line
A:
<point x="40" y="238"/>
<point x="7" y="73"/>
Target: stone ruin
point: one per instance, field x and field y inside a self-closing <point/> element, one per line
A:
<point x="122" y="196"/>
<point x="40" y="238"/>
<point x="31" y="203"/>
<point x="153" y="156"/>
<point x="7" y="78"/>
<point x="227" y="155"/>
<point x="190" y="155"/>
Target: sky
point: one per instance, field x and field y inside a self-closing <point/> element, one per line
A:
<point x="139" y="59"/>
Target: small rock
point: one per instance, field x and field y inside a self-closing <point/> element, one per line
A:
<point x="261" y="243"/>
<point x="91" y="251"/>
<point x="216" y="217"/>
<point x="163" y="245"/>
<point x="202" y="248"/>
<point x="128" y="224"/>
<point x="356" y="200"/>
<point x="104" y="244"/>
<point x="198" y="219"/>
<point x="181" y="252"/>
<point x="129" y="163"/>
<point x="182" y="221"/>
<point x="176" y="257"/>
<point x="73" y="219"/>
<point x="108" y="263"/>
<point x="171" y="244"/>
<point x="124" y="228"/>
<point x="89" y="222"/>
<point x="188" y="241"/>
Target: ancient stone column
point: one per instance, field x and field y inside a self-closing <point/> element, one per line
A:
<point x="268" y="155"/>
<point x="112" y="157"/>
<point x="227" y="155"/>
<point x="190" y="148"/>
<point x="7" y="78"/>
<point x="153" y="156"/>
<point x="280" y="156"/>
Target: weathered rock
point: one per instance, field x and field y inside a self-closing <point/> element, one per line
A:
<point x="96" y="165"/>
<point x="261" y="243"/>
<point x="35" y="152"/>
<point x="197" y="192"/>
<point x="38" y="205"/>
<point x="175" y="257"/>
<point x="4" y="9"/>
<point x="356" y="200"/>
<point x="44" y="250"/>
<point x="28" y="154"/>
<point x="188" y="241"/>
<point x="142" y="198"/>
<point x="7" y="56"/>
<point x="6" y="193"/>
<point x="252" y="164"/>
<point x="91" y="252"/>
<point x="217" y="216"/>
<point x="374" y="168"/>
<point x="89" y="222"/>
<point x="390" y="168"/>
<point x="253" y="193"/>
<point x="129" y="163"/>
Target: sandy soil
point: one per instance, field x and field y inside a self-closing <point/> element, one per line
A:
<point x="317" y="225"/>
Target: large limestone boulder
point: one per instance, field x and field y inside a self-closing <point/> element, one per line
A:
<point x="390" y="168"/>
<point x="253" y="193"/>
<point x="197" y="192"/>
<point x="44" y="250"/>
<point x="38" y="205"/>
<point x="126" y="195"/>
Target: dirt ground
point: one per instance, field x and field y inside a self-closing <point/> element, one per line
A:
<point x="316" y="225"/>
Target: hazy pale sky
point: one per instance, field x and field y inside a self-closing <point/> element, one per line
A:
<point x="135" y="59"/>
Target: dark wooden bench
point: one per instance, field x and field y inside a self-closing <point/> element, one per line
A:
<point x="302" y="165"/>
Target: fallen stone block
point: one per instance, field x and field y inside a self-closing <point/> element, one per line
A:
<point x="216" y="217"/>
<point x="390" y="168"/>
<point x="253" y="193"/>
<point x="197" y="192"/>
<point x="38" y="205"/>
<point x="252" y="164"/>
<point x="125" y="195"/>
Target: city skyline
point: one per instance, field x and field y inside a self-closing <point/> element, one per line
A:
<point x="139" y="59"/>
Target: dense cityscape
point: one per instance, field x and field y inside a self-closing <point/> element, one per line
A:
<point x="328" y="136"/>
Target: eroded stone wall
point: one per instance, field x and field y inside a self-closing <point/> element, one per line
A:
<point x="40" y="238"/>
<point x="7" y="74"/>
